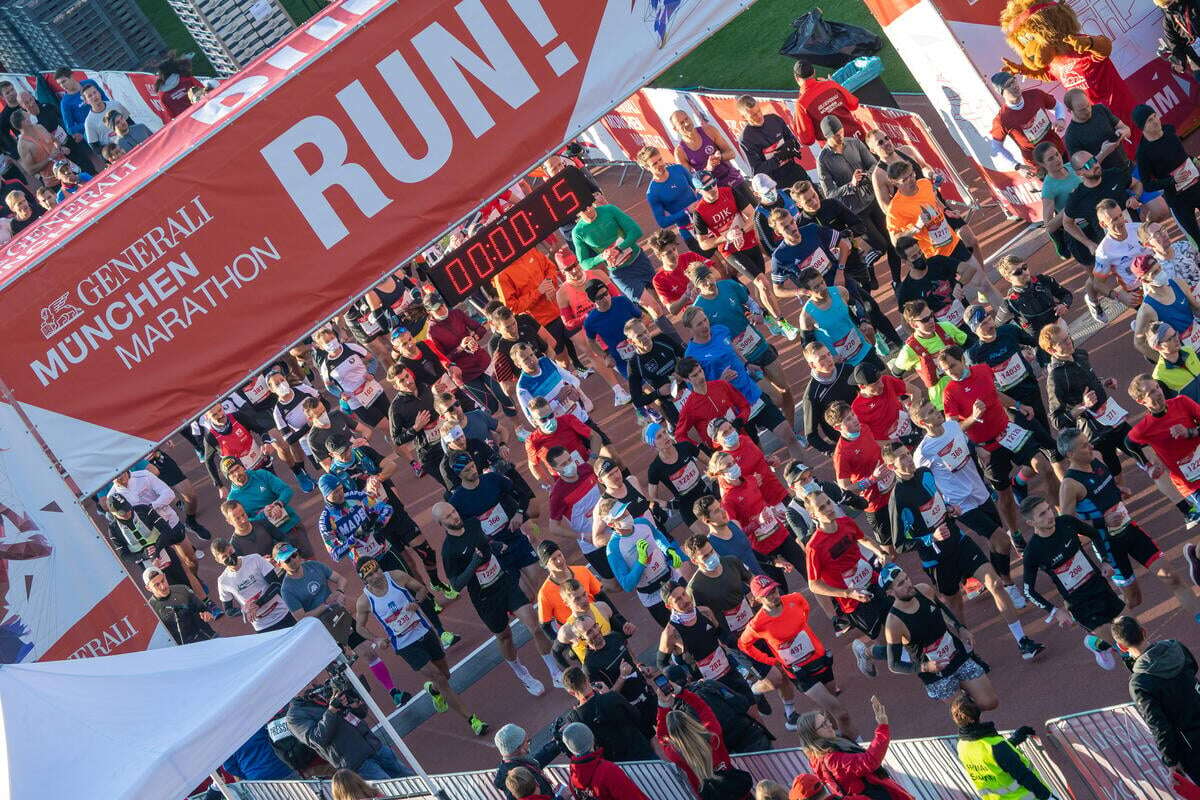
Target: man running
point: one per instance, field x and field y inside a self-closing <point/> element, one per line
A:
<point x="1011" y="354"/>
<point x="346" y="373"/>
<point x="827" y="317"/>
<point x="828" y="383"/>
<point x="1054" y="548"/>
<point x="492" y="500"/>
<point x="692" y="637"/>
<point x="881" y="404"/>
<point x="640" y="556"/>
<point x="394" y="599"/>
<point x="940" y="649"/>
<point x="1171" y="429"/>
<point x="928" y="338"/>
<point x="858" y="466"/>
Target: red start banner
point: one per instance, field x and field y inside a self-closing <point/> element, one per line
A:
<point x="306" y="178"/>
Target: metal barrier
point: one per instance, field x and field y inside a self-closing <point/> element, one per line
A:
<point x="1114" y="753"/>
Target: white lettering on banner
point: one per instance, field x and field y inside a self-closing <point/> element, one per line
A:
<point x="499" y="70"/>
<point x="112" y="637"/>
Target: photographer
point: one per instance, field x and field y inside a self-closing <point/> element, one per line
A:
<point x="742" y="732"/>
<point x="336" y="729"/>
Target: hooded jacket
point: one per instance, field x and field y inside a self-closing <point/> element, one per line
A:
<point x="341" y="738"/>
<point x="1163" y="686"/>
<point x="604" y="779"/>
<point x="856" y="772"/>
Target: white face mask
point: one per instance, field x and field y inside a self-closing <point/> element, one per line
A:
<point x="770" y="197"/>
<point x="569" y="470"/>
<point x="333" y="347"/>
<point x="734" y="472"/>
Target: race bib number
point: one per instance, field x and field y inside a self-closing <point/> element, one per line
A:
<point x="940" y="233"/>
<point x="817" y="260"/>
<point x="739" y="617"/>
<point x="798" y="650"/>
<point x="942" y="650"/>
<point x="253" y="457"/>
<point x="488" y="573"/>
<point x="1073" y="573"/>
<point x="769" y="520"/>
<point x="369" y="324"/>
<point x="494" y="520"/>
<point x="686" y="477"/>
<point x="368" y="393"/>
<point x="934" y="511"/>
<point x="884" y="479"/>
<point x="714" y="665"/>
<point x="860" y="576"/>
<point x="849" y="345"/>
<point x="1037" y="127"/>
<point x="1190" y="467"/>
<point x="1010" y="372"/>
<point x="1014" y="437"/>
<point x="625" y="349"/>
<point x="902" y="427"/>
<point x="1185" y="175"/>
<point x="1116" y="517"/>
<point x="401" y="622"/>
<point x="276" y="514"/>
<point x="952" y="313"/>
<point x="954" y="454"/>
<point x="746" y="341"/>
<point x="278" y="730"/>
<point x="163" y="559"/>
<point x="431" y="435"/>
<point x="256" y="391"/>
<point x="1191" y="337"/>
<point x="1109" y="414"/>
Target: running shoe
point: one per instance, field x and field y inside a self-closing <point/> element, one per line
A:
<point x="620" y="396"/>
<point x="1016" y="595"/>
<point x="862" y="657"/>
<point x="216" y="611"/>
<point x="790" y="331"/>
<point x="1093" y="307"/>
<point x="1029" y="648"/>
<point x="772" y="325"/>
<point x="417" y="467"/>
<point x="1193" y="562"/>
<point x="531" y="684"/>
<point x="1102" y="650"/>
<point x="194" y="525"/>
<point x="306" y="482"/>
<point x="971" y="588"/>
<point x="449" y="639"/>
<point x="478" y="726"/>
<point x="437" y="607"/>
<point x="1193" y="518"/>
<point x="400" y="697"/>
<point x="584" y="372"/>
<point x="556" y="679"/>
<point x="446" y="591"/>
<point x="439" y="703"/>
<point x="792" y="721"/>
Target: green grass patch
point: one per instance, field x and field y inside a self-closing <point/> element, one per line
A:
<point x="745" y="53"/>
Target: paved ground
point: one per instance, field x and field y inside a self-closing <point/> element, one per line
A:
<point x="1063" y="681"/>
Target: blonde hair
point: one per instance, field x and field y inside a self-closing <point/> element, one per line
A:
<point x="769" y="790"/>
<point x="693" y="741"/>
<point x="1050" y="335"/>
<point x="717" y="463"/>
<point x="348" y="785"/>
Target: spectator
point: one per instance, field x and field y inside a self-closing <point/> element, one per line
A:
<point x="349" y="785"/>
<point x="1181" y="22"/>
<point x="845" y="766"/>
<point x="175" y="83"/>
<point x="818" y="99"/>
<point x="610" y="717"/>
<point x="591" y="772"/>
<point x="522" y="784"/>
<point x="127" y="135"/>
<point x="111" y="153"/>
<point x="804" y="787"/>
<point x="256" y="760"/>
<point x="339" y="734"/>
<point x="991" y="761"/>
<point x="692" y="740"/>
<point x="770" y="790"/>
<point x="72" y="109"/>
<point x="23" y="214"/>
<point x="8" y="93"/>
<point x="769" y="144"/>
<point x="37" y="149"/>
<point x="69" y="181"/>
<point x="93" y="126"/>
<point x="185" y="617"/>
<point x="1163" y="687"/>
<point x="46" y="197"/>
<point x="513" y="744"/>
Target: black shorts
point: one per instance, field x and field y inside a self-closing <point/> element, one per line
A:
<point x="598" y="561"/>
<point x="497" y="602"/>
<point x="518" y="552"/>
<point x="819" y="670"/>
<point x="959" y="563"/>
<point x="881" y="526"/>
<point x="869" y="617"/>
<point x="169" y="471"/>
<point x="1098" y="608"/>
<point x="998" y="470"/>
<point x="960" y="253"/>
<point x="1120" y="551"/>
<point x="956" y="222"/>
<point x="749" y="262"/>
<point x="984" y="519"/>
<point x="768" y="357"/>
<point x="769" y="417"/>
<point x="373" y="414"/>
<point x="424" y="650"/>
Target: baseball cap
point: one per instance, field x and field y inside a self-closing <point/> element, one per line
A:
<point x="227" y="462"/>
<point x="595" y="289"/>
<point x="328" y="483"/>
<point x="606" y="465"/>
<point x="565" y="258"/>
<point x="806" y="787"/>
<point x="1142" y="265"/>
<point x="119" y="502"/>
<point x="762" y="183"/>
<point x="830" y="125"/>
<point x="363" y="561"/>
<point x="677" y="674"/>
<point x="283" y="551"/>
<point x="459" y="462"/>
<point x="703" y="180"/>
<point x="1001" y="79"/>
<point x="395" y="334"/>
<point x="865" y="373"/>
<point x="975" y="314"/>
<point x="433" y="300"/>
<point x="148" y="573"/>
<point x="794" y="470"/>
<point x="1158" y="332"/>
<point x="545" y="549"/>
<point x="761" y="586"/>
<point x="887" y="574"/>
<point x="617" y="511"/>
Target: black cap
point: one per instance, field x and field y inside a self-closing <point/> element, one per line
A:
<point x="595" y="289"/>
<point x="678" y="674"/>
<point x="864" y="373"/>
<point x="118" y="502"/>
<point x="545" y="549"/>
<point x="606" y="465"/>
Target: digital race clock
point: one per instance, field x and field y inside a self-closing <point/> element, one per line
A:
<point x="539" y="214"/>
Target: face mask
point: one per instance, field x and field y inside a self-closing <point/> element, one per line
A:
<point x="333" y="347"/>
<point x="812" y="486"/>
<point x="282" y="390"/>
<point x="684" y="619"/>
<point x="712" y="562"/>
<point x="734" y="472"/>
<point x="569" y="471"/>
<point x="439" y="313"/>
<point x="548" y="425"/>
<point x="920" y="263"/>
<point x="1159" y="280"/>
<point x="624" y="523"/>
<point x="730" y="440"/>
<point x="851" y="436"/>
<point x="769" y="198"/>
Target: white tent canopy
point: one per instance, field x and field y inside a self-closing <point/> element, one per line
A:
<point x="147" y="725"/>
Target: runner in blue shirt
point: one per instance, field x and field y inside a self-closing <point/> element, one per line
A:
<point x="606" y="322"/>
<point x="670" y="195"/>
<point x="809" y="246"/>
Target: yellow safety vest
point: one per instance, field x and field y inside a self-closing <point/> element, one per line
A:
<point x="992" y="782"/>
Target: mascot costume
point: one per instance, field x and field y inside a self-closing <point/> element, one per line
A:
<point x="1046" y="35"/>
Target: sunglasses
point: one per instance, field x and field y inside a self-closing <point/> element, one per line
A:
<point x="928" y="319"/>
<point x="1090" y="163"/>
<point x="1020" y="270"/>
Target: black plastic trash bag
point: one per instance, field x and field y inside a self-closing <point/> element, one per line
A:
<point x="828" y="44"/>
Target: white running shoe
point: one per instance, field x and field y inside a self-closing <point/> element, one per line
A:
<point x="532" y="684"/>
<point x="862" y="657"/>
<point x="1016" y="595"/>
<point x="620" y="396"/>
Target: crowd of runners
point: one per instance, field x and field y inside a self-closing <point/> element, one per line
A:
<point x="968" y="430"/>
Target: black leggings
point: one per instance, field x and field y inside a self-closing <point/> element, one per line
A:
<point x="790" y="551"/>
<point x="875" y="227"/>
<point x="1184" y="206"/>
<point x="1112" y="444"/>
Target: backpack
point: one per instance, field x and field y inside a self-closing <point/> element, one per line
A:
<point x="727" y="784"/>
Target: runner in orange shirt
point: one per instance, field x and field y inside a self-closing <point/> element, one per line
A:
<point x="796" y="653"/>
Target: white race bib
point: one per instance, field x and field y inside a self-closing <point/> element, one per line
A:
<point x="369" y="324"/>
<point x="934" y="511"/>
<point x="1074" y="572"/>
<point x="1014" y="437"/>
<point x="1191" y="337"/>
<point x="954" y="454"/>
<point x="275" y="514"/>
<point x="1010" y="372"/>
<point x="686" y="477"/>
<point x="1190" y="466"/>
<point x="746" y="341"/>
<point x="817" y="260"/>
<point x="488" y="573"/>
<point x="769" y="520"/>
<point x="860" y="576"/>
<point x="368" y="393"/>
<point x="1116" y="517"/>
<point x="163" y="559"/>
<point x="797" y="650"/>
<point x="257" y="390"/>
<point x="254" y="457"/>
<point x="940" y="233"/>
<point x="1036" y="128"/>
<point x="494" y="520"/>
<point x="625" y="349"/>
<point x="848" y="346"/>
<point x="884" y="479"/>
<point x="942" y="650"/>
<point x="1109" y="414"/>
<point x="902" y="427"/>
<point x="952" y="313"/>
<point x="1185" y="175"/>
<point x="714" y="665"/>
<point x="739" y="617"/>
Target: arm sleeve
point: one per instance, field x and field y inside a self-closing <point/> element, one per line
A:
<point x="1007" y="759"/>
<point x="895" y="662"/>
<point x="210" y="459"/>
<point x="627" y="575"/>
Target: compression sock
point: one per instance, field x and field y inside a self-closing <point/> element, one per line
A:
<point x="1002" y="563"/>
<point x="788" y="708"/>
<point x="1016" y="630"/>
<point x="879" y="652"/>
<point x="552" y="665"/>
<point x="382" y="674"/>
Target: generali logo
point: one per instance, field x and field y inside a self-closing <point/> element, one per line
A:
<point x="58" y="315"/>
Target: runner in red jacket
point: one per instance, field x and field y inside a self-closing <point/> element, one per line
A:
<point x="705" y="401"/>
<point x="725" y="437"/>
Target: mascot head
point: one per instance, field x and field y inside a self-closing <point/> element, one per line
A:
<point x="1036" y="29"/>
